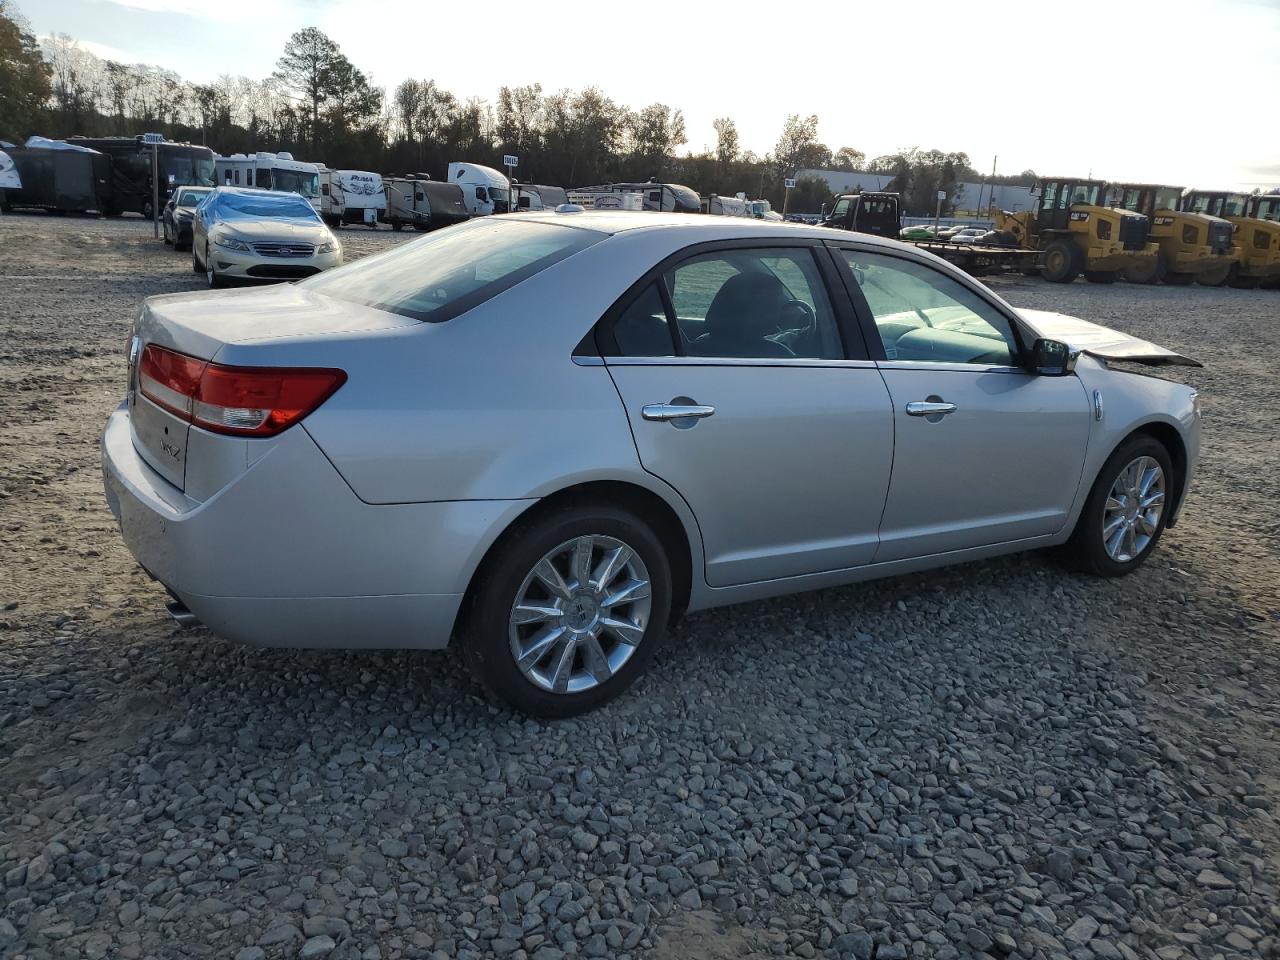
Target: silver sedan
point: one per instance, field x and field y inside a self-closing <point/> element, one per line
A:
<point x="547" y="435"/>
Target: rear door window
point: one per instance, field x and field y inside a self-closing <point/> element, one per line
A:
<point x="755" y="303"/>
<point x="449" y="272"/>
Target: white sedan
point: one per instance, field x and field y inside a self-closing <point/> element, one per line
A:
<point x="238" y="233"/>
<point x="543" y="437"/>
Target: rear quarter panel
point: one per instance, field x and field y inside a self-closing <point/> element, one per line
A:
<point x="488" y="405"/>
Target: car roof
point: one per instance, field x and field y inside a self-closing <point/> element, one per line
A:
<point x="695" y="227"/>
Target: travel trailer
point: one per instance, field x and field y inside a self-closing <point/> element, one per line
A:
<point x="485" y="190"/>
<point x="270" y="171"/>
<point x="537" y="196"/>
<point x="606" y="200"/>
<point x="671" y="197"/>
<point x="728" y="206"/>
<point x="351" y="196"/>
<point x="423" y="204"/>
<point x="52" y="175"/>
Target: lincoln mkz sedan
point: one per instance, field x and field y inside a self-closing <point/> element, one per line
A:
<point x="546" y="435"/>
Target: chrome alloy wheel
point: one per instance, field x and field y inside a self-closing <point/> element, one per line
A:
<point x="580" y="614"/>
<point x="1132" y="512"/>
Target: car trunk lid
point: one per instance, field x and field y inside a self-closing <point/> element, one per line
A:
<point x="200" y="326"/>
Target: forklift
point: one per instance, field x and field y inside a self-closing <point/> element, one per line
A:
<point x="1193" y="246"/>
<point x="1257" y="232"/>
<point x="1076" y="232"/>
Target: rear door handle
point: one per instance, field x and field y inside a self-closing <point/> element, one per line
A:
<point x="929" y="408"/>
<point x="676" y="411"/>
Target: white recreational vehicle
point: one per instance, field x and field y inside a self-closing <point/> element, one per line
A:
<point x="484" y="188"/>
<point x="728" y="206"/>
<point x="269" y="171"/>
<point x="593" y="198"/>
<point x="537" y="196"/>
<point x="655" y="196"/>
<point x="351" y="196"/>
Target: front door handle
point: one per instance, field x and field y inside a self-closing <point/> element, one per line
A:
<point x="676" y="411"/>
<point x="929" y="408"/>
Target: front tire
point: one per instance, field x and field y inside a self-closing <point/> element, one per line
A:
<point x="1126" y="512"/>
<point x="568" y="609"/>
<point x="1061" y="262"/>
<point x="211" y="275"/>
<point x="1147" y="270"/>
<point x="1218" y="276"/>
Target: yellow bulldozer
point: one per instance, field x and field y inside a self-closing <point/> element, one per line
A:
<point x="1193" y="246"/>
<point x="1257" y="232"/>
<point x="1076" y="232"/>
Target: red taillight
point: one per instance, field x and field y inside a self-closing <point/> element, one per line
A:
<point x="243" y="401"/>
<point x="170" y="379"/>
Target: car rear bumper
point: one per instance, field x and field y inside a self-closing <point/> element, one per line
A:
<point x="286" y="555"/>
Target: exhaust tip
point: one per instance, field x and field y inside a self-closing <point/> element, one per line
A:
<point x="180" y="615"/>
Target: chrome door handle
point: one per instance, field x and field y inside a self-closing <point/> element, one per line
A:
<point x="676" y="411"/>
<point x="929" y="408"/>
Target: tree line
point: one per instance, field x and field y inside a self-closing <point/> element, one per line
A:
<point x="320" y="107"/>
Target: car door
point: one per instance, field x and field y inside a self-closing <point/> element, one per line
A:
<point x="985" y="452"/>
<point x="748" y="390"/>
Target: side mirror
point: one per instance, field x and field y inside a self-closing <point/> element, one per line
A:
<point x="1053" y="358"/>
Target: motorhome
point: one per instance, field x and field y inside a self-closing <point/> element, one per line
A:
<point x="538" y="196"/>
<point x="485" y="189"/>
<point x="422" y="203"/>
<point x="130" y="189"/>
<point x="351" y="196"/>
<point x="270" y="171"/>
<point x="671" y="197"/>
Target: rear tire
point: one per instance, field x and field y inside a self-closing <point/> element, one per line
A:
<point x="1245" y="283"/>
<point x="195" y="261"/>
<point x="397" y="226"/>
<point x="1178" y="279"/>
<point x="1102" y="276"/>
<point x="492" y="632"/>
<point x="1061" y="262"/>
<point x="1152" y="271"/>
<point x="1087" y="550"/>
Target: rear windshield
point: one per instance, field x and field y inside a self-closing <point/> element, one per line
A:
<point x="451" y="271"/>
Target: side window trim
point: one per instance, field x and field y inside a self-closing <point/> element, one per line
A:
<point x="866" y="319"/>
<point x="854" y="348"/>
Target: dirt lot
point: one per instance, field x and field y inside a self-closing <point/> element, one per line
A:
<point x="999" y="759"/>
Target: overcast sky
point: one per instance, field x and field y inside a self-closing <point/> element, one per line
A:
<point x="1156" y="90"/>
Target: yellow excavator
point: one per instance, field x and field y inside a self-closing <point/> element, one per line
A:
<point x="1257" y="232"/>
<point x="1076" y="232"/>
<point x="1193" y="246"/>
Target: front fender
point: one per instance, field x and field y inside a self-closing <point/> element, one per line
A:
<point x="1124" y="403"/>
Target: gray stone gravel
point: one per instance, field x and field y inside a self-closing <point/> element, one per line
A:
<point x="999" y="760"/>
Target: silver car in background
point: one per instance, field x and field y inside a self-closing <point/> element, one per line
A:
<point x="547" y="435"/>
<point x="239" y="233"/>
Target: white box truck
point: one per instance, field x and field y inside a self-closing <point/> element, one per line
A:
<point x="484" y="189"/>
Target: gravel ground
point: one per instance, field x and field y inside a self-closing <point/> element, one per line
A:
<point x="998" y="759"/>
